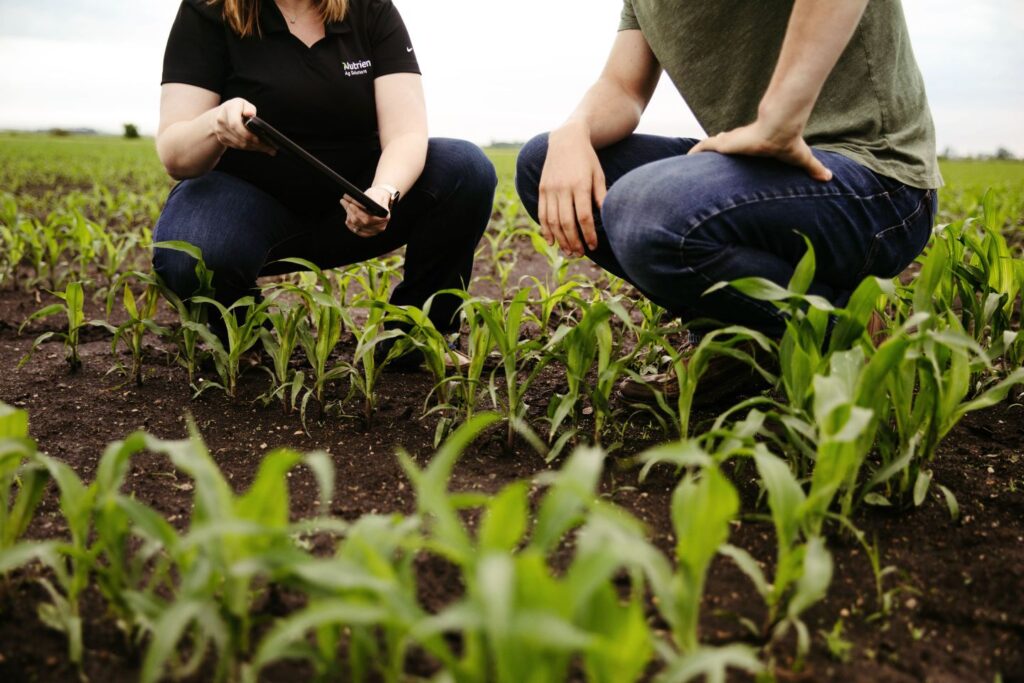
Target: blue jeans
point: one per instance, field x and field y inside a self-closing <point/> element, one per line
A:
<point x="242" y="231"/>
<point x="674" y="225"/>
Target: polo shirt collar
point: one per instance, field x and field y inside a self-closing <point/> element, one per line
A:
<point x="272" y="21"/>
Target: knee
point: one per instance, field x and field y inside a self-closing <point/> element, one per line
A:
<point x="529" y="166"/>
<point x="196" y="226"/>
<point x="468" y="166"/>
<point x="177" y="270"/>
<point x="629" y="214"/>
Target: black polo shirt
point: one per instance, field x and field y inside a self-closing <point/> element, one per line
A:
<point x="321" y="96"/>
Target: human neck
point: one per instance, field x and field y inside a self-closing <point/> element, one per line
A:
<point x="293" y="9"/>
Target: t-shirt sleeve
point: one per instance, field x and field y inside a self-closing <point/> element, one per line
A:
<point x="389" y="40"/>
<point x="197" y="52"/>
<point x="628" y="21"/>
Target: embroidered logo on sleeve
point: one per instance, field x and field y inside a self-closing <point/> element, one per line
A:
<point x="360" y="68"/>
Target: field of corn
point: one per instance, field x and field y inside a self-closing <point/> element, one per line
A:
<point x="282" y="507"/>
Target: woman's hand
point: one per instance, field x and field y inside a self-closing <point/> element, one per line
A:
<point x="765" y="137"/>
<point x="230" y="131"/>
<point x="570" y="184"/>
<point x="362" y="223"/>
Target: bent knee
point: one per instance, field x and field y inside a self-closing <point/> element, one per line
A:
<point x="529" y="165"/>
<point x="465" y="162"/>
<point x="177" y="270"/>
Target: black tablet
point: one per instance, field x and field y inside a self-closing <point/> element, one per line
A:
<point x="273" y="136"/>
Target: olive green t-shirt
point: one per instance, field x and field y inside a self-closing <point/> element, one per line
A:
<point x="721" y="55"/>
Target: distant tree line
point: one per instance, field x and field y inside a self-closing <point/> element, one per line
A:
<point x="1001" y="154"/>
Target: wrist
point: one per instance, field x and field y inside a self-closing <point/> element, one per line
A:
<point x="390" y="192"/>
<point x="574" y="129"/>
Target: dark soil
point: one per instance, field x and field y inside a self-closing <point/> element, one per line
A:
<point x="957" y="591"/>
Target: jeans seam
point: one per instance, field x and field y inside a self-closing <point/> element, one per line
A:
<point x="881" y="234"/>
<point x="802" y="195"/>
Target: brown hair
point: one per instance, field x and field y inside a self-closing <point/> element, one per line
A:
<point x="244" y="15"/>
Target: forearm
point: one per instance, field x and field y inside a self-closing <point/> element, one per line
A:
<point x="607" y="114"/>
<point x="401" y="161"/>
<point x="817" y="35"/>
<point x="189" y="149"/>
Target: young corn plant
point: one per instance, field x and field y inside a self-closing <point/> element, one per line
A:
<point x="287" y="325"/>
<point x="930" y="392"/>
<point x="703" y="505"/>
<point x="366" y="366"/>
<point x="689" y="365"/>
<point x="140" y="317"/>
<point x="241" y="336"/>
<point x="506" y="331"/>
<point x="73" y="308"/>
<point x="456" y="383"/>
<point x="579" y="348"/>
<point x="12" y="252"/>
<point x="22" y="483"/>
<point x="803" y="566"/>
<point x="235" y="546"/>
<point x="363" y="598"/>
<point x="71" y="561"/>
<point x="191" y="313"/>
<point x="517" y="620"/>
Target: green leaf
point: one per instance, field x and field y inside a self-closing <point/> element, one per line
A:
<point x="504" y="520"/>
<point x="951" y="503"/>
<point x="924" y="480"/>
<point x="812" y="586"/>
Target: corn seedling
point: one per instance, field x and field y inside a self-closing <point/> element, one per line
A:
<point x="233" y="546"/>
<point x="505" y="324"/>
<point x="140" y="317"/>
<point x="73" y="308"/>
<point x="367" y="364"/>
<point x="191" y="313"/>
<point x="22" y="483"/>
<point x="240" y="337"/>
<point x="279" y="343"/>
<point x="579" y="348"/>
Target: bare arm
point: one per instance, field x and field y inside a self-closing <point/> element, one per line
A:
<point x="611" y="110"/>
<point x="818" y="32"/>
<point x="196" y="128"/>
<point x="402" y="120"/>
<point x="572" y="180"/>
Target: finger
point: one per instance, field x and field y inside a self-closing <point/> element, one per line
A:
<point x="567" y="221"/>
<point x="816" y="169"/>
<point x="542" y="218"/>
<point x="585" y="213"/>
<point x="600" y="187"/>
<point x="554" y="224"/>
<point x="705" y="145"/>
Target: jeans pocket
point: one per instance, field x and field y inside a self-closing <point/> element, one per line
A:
<point x="894" y="248"/>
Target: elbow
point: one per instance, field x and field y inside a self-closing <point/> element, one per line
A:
<point x="175" y="169"/>
<point x="172" y="162"/>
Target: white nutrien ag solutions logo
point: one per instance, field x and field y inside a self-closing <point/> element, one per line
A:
<point x="357" y="68"/>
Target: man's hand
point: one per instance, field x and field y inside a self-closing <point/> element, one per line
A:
<point x="764" y="138"/>
<point x="362" y="223"/>
<point x="817" y="34"/>
<point x="570" y="184"/>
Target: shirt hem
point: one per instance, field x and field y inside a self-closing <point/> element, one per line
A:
<point x="922" y="181"/>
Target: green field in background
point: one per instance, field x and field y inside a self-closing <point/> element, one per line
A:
<point x="37" y="149"/>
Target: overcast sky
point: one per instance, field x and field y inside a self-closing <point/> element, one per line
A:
<point x="494" y="69"/>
